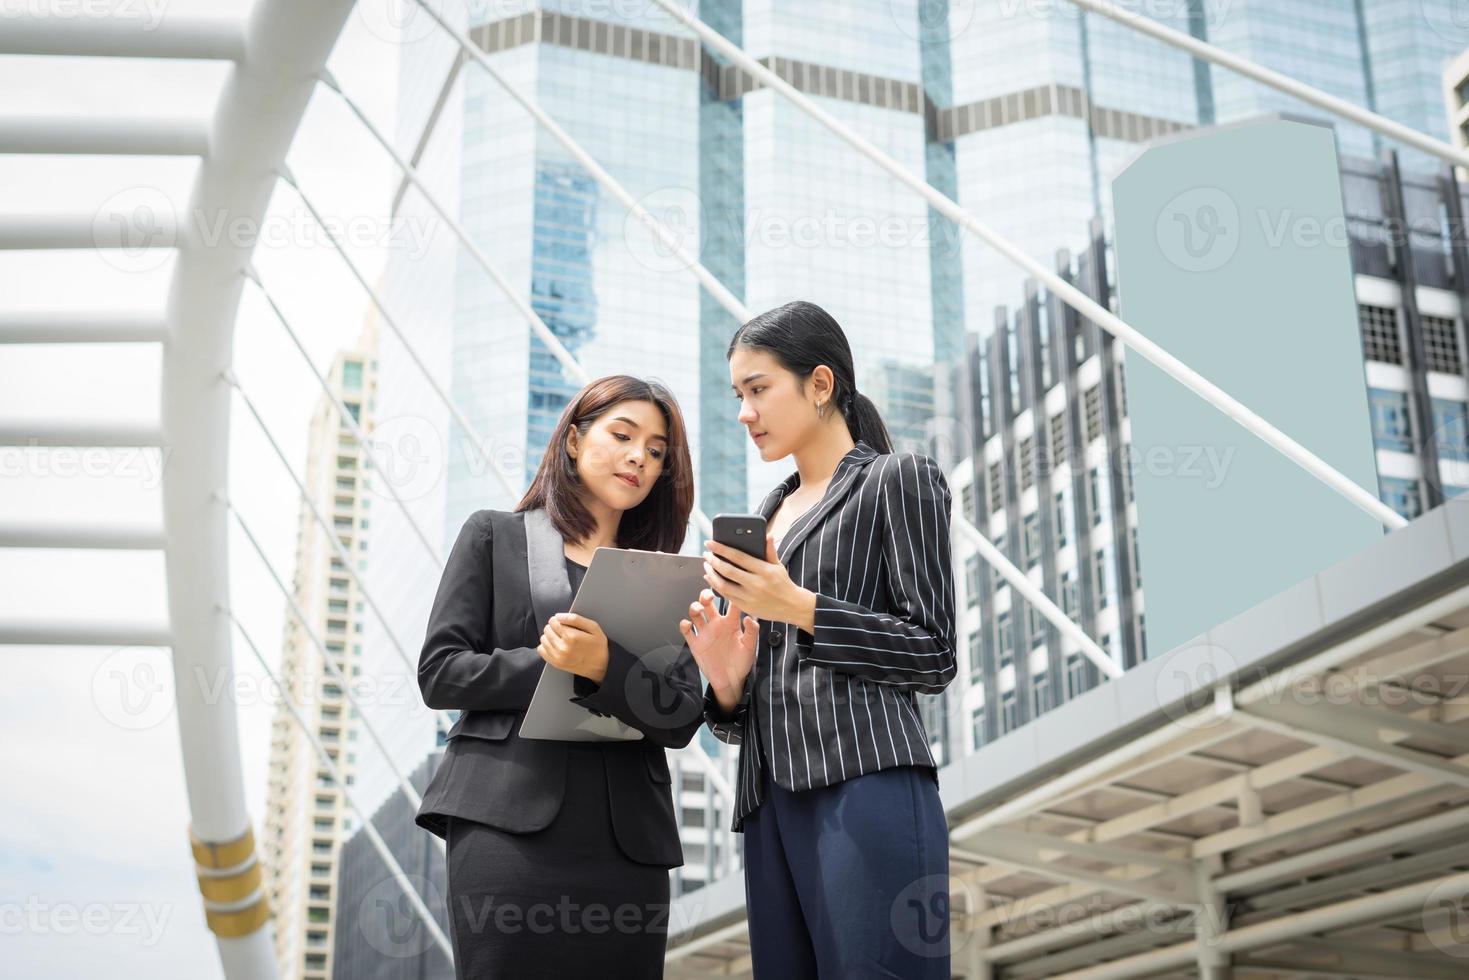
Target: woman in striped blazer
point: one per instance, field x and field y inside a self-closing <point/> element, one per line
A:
<point x="815" y="667"/>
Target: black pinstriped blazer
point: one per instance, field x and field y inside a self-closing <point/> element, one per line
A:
<point x="840" y="702"/>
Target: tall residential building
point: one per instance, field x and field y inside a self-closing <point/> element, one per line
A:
<point x="306" y="817"/>
<point x="1045" y="400"/>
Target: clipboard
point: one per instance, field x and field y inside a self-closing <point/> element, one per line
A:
<point x="638" y="598"/>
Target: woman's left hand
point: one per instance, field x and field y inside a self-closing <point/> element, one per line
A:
<point x="575" y="644"/>
<point x="762" y="589"/>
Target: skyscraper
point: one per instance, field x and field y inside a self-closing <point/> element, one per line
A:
<point x="306" y="817"/>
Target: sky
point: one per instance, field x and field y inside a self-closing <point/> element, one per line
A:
<point x="95" y="869"/>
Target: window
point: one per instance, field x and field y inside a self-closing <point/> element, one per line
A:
<point x="1097" y="491"/>
<point x="1059" y="519"/>
<point x="1058" y="439"/>
<point x="352" y="375"/>
<point x="1392" y="425"/>
<point x="1075" y="674"/>
<point x="1005" y="639"/>
<point x="1137" y="565"/>
<point x="355" y="409"/>
<point x="1402" y="495"/>
<point x="1009" y="712"/>
<point x="997" y="581"/>
<point x="1040" y="694"/>
<point x="976" y="655"/>
<point x="1441" y="345"/>
<point x="1037" y="626"/>
<point x="1449" y="429"/>
<point x="1092" y="403"/>
<point x="976" y="729"/>
<point x="1070" y="601"/>
<point x="1031" y="538"/>
<point x="1101" y="576"/>
<point x="1027" y="462"/>
<point x="966" y="499"/>
<point x="1379" y="325"/>
<point x="971" y="581"/>
<point x="997" y="488"/>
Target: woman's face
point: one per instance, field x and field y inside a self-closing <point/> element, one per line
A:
<point x="626" y="443"/>
<point x="773" y="410"/>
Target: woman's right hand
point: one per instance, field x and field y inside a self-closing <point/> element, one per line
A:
<point x="724" y="646"/>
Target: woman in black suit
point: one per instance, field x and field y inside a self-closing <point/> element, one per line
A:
<point x="558" y="851"/>
<point x="850" y="618"/>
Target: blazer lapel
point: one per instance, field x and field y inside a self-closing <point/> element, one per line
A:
<point x="842" y="480"/>
<point x="545" y="557"/>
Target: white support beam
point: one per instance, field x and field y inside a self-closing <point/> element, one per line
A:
<point x="81" y="327"/>
<point x="261" y="106"/>
<point x="1341" y="915"/>
<point x="108" y="535"/>
<point x="1032" y="859"/>
<point x="86" y="231"/>
<point x="71" y="432"/>
<point x="71" y="632"/>
<point x="140" y="32"/>
<point x="1336" y="727"/>
<point x="106" y="135"/>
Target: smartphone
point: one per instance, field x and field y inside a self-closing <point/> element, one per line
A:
<point x="745" y="532"/>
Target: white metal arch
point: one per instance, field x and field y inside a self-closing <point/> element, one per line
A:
<point x="260" y="109"/>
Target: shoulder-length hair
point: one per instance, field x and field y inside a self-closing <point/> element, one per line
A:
<point x="660" y="522"/>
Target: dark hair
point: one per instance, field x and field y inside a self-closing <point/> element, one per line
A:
<point x="801" y="335"/>
<point x="660" y="522"/>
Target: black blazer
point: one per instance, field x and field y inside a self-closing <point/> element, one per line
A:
<point x="842" y="702"/>
<point x="503" y="581"/>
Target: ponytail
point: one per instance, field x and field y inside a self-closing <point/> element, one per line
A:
<point x="865" y="422"/>
<point x="801" y="336"/>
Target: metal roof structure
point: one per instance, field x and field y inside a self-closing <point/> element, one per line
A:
<point x="1286" y="795"/>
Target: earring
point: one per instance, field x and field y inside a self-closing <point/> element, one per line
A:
<point x="821" y="411"/>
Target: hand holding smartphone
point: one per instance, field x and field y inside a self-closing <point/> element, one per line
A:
<point x="745" y="532"/>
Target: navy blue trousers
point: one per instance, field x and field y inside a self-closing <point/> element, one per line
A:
<point x="850" y="881"/>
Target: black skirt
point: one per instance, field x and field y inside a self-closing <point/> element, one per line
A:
<point x="561" y="902"/>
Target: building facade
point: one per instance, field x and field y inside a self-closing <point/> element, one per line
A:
<point x="306" y="816"/>
<point x="1047" y="474"/>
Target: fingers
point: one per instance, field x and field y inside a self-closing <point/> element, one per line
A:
<point x="731" y="556"/>
<point x="771" y="555"/>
